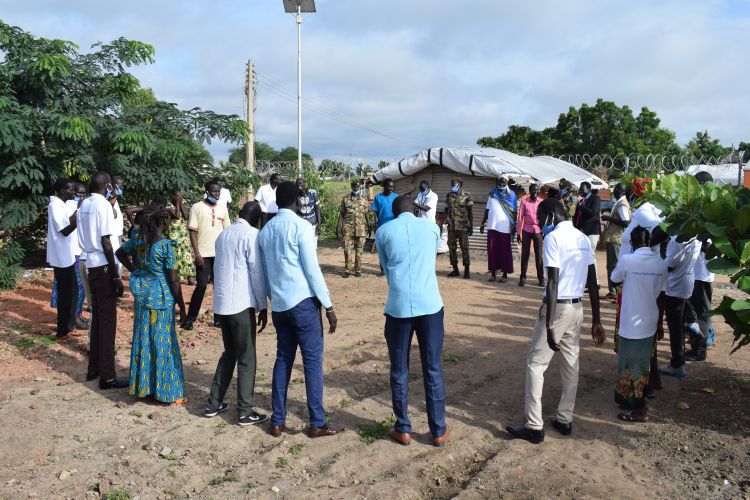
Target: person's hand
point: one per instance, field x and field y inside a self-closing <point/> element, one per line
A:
<point x="332" y="321"/>
<point x="551" y="340"/>
<point x="481" y="229"/>
<point x="262" y="319"/>
<point x="471" y="230"/>
<point x="597" y="333"/>
<point x="660" y="331"/>
<point x="518" y="238"/>
<point x="199" y="262"/>
<point x="119" y="287"/>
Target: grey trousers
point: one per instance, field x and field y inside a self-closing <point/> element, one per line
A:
<point x="238" y="334"/>
<point x="567" y="328"/>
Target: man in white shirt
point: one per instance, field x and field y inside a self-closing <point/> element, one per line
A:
<point x="239" y="292"/>
<point x="97" y="237"/>
<point x="643" y="276"/>
<point x="681" y="259"/>
<point x="426" y="202"/>
<point x="569" y="261"/>
<point x="266" y="196"/>
<point x="61" y="226"/>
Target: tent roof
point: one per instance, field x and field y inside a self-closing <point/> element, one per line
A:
<point x="725" y="174"/>
<point x="490" y="162"/>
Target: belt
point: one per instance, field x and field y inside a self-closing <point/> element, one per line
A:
<point x="568" y="301"/>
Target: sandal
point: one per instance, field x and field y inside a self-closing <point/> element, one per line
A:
<point x="629" y="416"/>
<point x="177" y="402"/>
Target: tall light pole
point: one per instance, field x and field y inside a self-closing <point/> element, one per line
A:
<point x="297" y="7"/>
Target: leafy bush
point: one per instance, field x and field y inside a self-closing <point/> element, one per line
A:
<point x="11" y="255"/>
<point x="719" y="213"/>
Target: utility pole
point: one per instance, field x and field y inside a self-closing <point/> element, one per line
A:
<point x="250" y="144"/>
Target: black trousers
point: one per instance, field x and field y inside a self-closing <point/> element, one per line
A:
<point x="103" y="323"/>
<point x="697" y="310"/>
<point x="674" y="311"/>
<point x="203" y="276"/>
<point x="238" y="334"/>
<point x="67" y="295"/>
<point x="526" y="240"/>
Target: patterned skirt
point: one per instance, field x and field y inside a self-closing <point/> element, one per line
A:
<point x="155" y="361"/>
<point x="633" y="369"/>
<point x="185" y="264"/>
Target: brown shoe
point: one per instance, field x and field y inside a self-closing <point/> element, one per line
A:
<point x="403" y="438"/>
<point x="276" y="430"/>
<point x="442" y="439"/>
<point x="316" y="432"/>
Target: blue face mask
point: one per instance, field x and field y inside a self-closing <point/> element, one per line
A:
<point x="118" y="191"/>
<point x="455" y="188"/>
<point x="212" y="200"/>
<point x="563" y="193"/>
<point x="76" y="198"/>
<point x="547" y="228"/>
<point x="109" y="193"/>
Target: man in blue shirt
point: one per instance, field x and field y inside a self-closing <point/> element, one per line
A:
<point x="407" y="248"/>
<point x="297" y="290"/>
<point x="382" y="205"/>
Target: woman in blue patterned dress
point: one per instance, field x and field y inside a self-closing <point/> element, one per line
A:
<point x="155" y="361"/>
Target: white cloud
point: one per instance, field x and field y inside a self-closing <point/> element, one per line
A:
<point x="429" y="72"/>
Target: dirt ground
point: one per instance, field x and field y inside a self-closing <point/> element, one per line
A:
<point x="63" y="437"/>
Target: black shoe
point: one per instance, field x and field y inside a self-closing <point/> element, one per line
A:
<point x="252" y="419"/>
<point x="115" y="383"/>
<point x="212" y="413"/>
<point x="522" y="282"/>
<point x="695" y="356"/>
<point x="91" y="376"/>
<point x="61" y="335"/>
<point x="217" y="323"/>
<point x="454" y="273"/>
<point x="357" y="274"/>
<point x="187" y="325"/>
<point x="541" y="283"/>
<point x="530" y="435"/>
<point x="467" y="274"/>
<point x="564" y="429"/>
<point x="82" y="324"/>
<point x="346" y="274"/>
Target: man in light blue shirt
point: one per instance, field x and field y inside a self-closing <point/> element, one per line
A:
<point x="407" y="247"/>
<point x="297" y="291"/>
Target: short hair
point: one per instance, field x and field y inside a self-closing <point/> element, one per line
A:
<point x="552" y="206"/>
<point x="640" y="235"/>
<point x="98" y="180"/>
<point x="116" y="178"/>
<point x="286" y="194"/>
<point x="585" y="183"/>
<point x="212" y="182"/>
<point x="251" y="212"/>
<point x="533" y="185"/>
<point x="704" y="177"/>
<point x="457" y="180"/>
<point x="402" y="204"/>
<point x="77" y="185"/>
<point x="61" y="183"/>
<point x="425" y="181"/>
<point x="274" y="175"/>
<point x="387" y="180"/>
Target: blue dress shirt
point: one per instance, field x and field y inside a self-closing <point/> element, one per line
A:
<point x="383" y="206"/>
<point x="407" y="247"/>
<point x="290" y="260"/>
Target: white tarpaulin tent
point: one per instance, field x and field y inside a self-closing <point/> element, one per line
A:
<point x="490" y="162"/>
<point x="725" y="174"/>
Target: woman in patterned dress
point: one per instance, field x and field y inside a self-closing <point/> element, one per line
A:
<point x="155" y="361"/>
<point x="178" y="233"/>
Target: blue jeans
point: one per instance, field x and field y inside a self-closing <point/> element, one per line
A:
<point x="301" y="326"/>
<point x="430" y="333"/>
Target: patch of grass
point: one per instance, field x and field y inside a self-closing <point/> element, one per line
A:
<point x="93" y="487"/>
<point x="488" y="438"/>
<point x="251" y="486"/>
<point x="46" y="340"/>
<point x="490" y="377"/>
<point x="136" y="413"/>
<point x="370" y="433"/>
<point x="344" y="403"/>
<point x="744" y="380"/>
<point x="227" y="477"/>
<point x="118" y="494"/>
<point x="23" y="343"/>
<point x="222" y="424"/>
<point x="415" y="375"/>
<point x="450" y="358"/>
<point x="170" y="494"/>
<point x="296" y="449"/>
<point x="282" y="463"/>
<point x="171" y="473"/>
<point x="172" y="457"/>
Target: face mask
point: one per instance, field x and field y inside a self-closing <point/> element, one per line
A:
<point x="109" y="191"/>
<point x="455" y="188"/>
<point x="563" y="193"/>
<point x="76" y="198"/>
<point x="355" y="192"/>
<point x="502" y="187"/>
<point x="212" y="200"/>
<point x="547" y="227"/>
<point x="118" y="191"/>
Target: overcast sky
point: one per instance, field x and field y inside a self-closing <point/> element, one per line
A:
<point x="387" y="78"/>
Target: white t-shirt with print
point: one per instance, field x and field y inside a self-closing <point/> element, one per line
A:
<point x="569" y="250"/>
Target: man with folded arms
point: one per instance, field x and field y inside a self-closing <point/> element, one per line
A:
<point x="569" y="260"/>
<point x="297" y="290"/>
<point x="407" y="247"/>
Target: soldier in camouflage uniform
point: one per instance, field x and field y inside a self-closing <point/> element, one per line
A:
<point x="569" y="197"/>
<point x="459" y="216"/>
<point x="353" y="227"/>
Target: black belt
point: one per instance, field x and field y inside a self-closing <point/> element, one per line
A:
<point x="568" y="301"/>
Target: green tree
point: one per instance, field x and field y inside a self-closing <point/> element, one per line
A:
<point x="67" y="113"/>
<point x="702" y="146"/>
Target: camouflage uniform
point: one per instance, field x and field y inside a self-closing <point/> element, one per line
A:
<point x="458" y="229"/>
<point x="570" y="206"/>
<point x="354" y="212"/>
